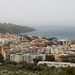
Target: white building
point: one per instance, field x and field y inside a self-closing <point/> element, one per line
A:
<point x="16" y="57"/>
<point x="29" y="57"/>
<point x="57" y="64"/>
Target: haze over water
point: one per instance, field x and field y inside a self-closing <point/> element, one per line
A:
<point x="54" y="31"/>
<point x="43" y="13"/>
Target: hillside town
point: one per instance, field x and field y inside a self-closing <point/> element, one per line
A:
<point x="26" y="48"/>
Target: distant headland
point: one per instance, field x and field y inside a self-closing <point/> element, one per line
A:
<point x="14" y="29"/>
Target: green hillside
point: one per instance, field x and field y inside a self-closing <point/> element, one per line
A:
<point x="14" y="29"/>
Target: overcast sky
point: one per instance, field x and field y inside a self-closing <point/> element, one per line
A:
<point x="38" y="12"/>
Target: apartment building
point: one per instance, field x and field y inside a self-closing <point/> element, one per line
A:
<point x="18" y="57"/>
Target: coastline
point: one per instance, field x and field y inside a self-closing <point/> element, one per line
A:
<point x="36" y="29"/>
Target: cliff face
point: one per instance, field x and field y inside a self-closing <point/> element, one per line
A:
<point x="14" y="29"/>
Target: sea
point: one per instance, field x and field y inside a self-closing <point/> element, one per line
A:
<point x="60" y="32"/>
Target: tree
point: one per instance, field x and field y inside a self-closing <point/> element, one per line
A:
<point x="29" y="66"/>
<point x="70" y="70"/>
<point x="1" y="58"/>
<point x="37" y="59"/>
<point x="52" y="38"/>
<point x="28" y="38"/>
<point x="73" y="61"/>
<point x="65" y="60"/>
<point x="50" y="58"/>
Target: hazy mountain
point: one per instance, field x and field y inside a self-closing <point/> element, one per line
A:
<point x="14" y="29"/>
